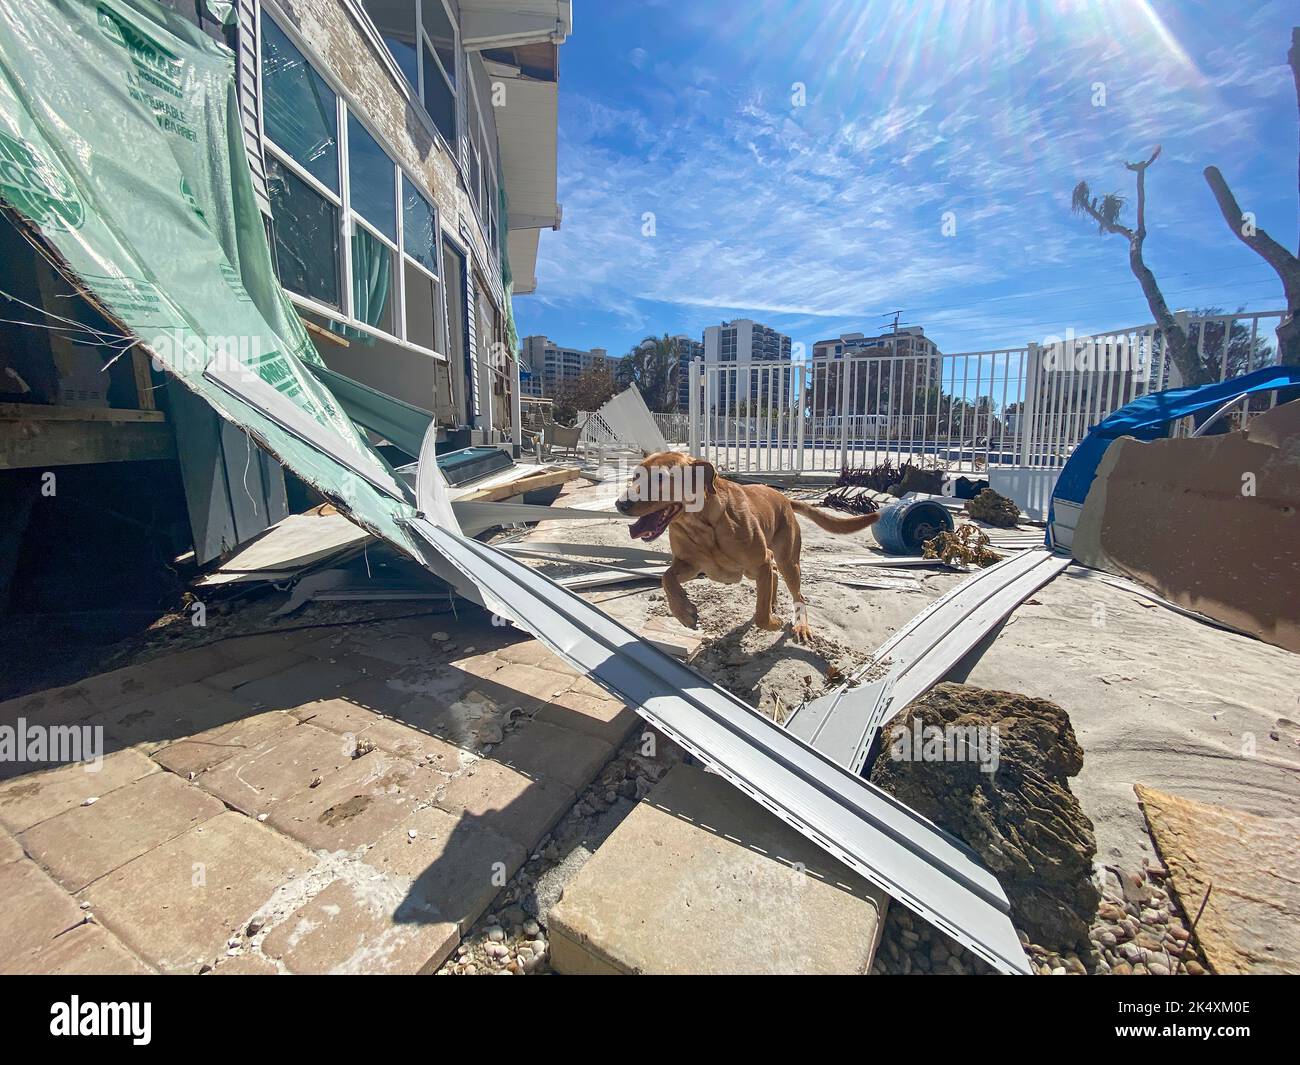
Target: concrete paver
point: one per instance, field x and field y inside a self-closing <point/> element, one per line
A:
<point x="38" y="796"/>
<point x="256" y="779"/>
<point x="178" y="905"/>
<point x="82" y="844"/>
<point x="701" y="879"/>
<point x="35" y="911"/>
<point x="87" y="950"/>
<point x="356" y="804"/>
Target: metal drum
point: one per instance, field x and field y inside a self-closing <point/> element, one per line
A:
<point x="906" y="525"/>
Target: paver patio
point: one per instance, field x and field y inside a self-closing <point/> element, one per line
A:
<point x="345" y="799"/>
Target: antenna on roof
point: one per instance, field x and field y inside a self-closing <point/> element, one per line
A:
<point x="895" y="314"/>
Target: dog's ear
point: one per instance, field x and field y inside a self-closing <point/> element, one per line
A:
<point x="709" y="474"/>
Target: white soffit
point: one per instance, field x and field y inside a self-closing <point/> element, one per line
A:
<point x="528" y="129"/>
<point x="503" y="23"/>
<point x="522" y="246"/>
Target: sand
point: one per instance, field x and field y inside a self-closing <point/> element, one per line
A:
<point x="1155" y="697"/>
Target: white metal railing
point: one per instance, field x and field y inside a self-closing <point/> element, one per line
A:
<point x="1019" y="406"/>
<point x="675" y="426"/>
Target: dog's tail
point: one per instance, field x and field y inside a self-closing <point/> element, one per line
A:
<point x="834" y="523"/>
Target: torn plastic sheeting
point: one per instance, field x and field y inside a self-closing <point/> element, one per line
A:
<point x="910" y="858"/>
<point x="154" y="213"/>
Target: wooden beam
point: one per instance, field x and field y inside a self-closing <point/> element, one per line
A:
<point x="530" y="483"/>
<point x="324" y="334"/>
<point x="43" y="443"/>
<point x="23" y="412"/>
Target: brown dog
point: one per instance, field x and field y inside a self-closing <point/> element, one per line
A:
<point x="724" y="531"/>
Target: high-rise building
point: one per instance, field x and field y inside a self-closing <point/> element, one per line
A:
<point x="889" y="372"/>
<point x="688" y="350"/>
<point x="747" y="342"/>
<point x="550" y="365"/>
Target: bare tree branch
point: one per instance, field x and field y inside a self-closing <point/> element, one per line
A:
<point x="1281" y="260"/>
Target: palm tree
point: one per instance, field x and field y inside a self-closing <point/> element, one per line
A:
<point x="653" y="366"/>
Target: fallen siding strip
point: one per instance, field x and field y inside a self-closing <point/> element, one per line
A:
<point x="929" y="871"/>
<point x="843" y="725"/>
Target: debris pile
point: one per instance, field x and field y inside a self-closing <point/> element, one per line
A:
<point x="850" y="501"/>
<point x="999" y="780"/>
<point x="896" y="480"/>
<point x="969" y="545"/>
<point x="994" y="508"/>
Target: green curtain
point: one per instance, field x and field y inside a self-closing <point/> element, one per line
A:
<point x="372" y="269"/>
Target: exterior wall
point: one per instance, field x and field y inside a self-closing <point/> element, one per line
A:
<point x="360" y="68"/>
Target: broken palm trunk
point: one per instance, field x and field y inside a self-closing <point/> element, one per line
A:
<point x="154" y="214"/>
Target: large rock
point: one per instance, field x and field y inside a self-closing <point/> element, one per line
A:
<point x="1003" y="789"/>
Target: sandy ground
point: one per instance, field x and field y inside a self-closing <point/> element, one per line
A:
<point x="1155" y="697"/>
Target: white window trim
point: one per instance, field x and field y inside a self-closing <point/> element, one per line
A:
<point x="415" y="97"/>
<point x="342" y="200"/>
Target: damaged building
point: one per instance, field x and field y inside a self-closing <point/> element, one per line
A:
<point x="402" y="156"/>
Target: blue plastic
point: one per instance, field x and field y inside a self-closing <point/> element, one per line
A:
<point x="1149" y="418"/>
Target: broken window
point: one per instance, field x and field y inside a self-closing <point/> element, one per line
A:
<point x="419" y="227"/>
<point x="299" y="110"/>
<point x="306" y="229"/>
<point x="421" y="37"/>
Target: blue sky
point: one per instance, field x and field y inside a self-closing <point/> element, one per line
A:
<point x="823" y="218"/>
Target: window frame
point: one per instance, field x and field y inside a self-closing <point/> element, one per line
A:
<point x="348" y="217"/>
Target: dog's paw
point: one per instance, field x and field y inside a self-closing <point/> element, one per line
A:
<point x="772" y="624"/>
<point x="801" y="632"/>
<point x="686" y="613"/>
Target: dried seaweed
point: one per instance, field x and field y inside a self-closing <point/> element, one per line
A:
<point x="969" y="545"/>
<point x="854" y="503"/>
<point x="994" y="509"/>
<point x="884" y="474"/>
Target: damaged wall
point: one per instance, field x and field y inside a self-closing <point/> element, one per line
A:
<point x="360" y="66"/>
<point x="1211" y="523"/>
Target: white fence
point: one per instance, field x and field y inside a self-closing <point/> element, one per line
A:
<point x="1010" y="407"/>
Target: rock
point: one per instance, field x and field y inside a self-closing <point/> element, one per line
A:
<point x="1022" y="820"/>
<point x="531" y="928"/>
<point x="256" y="925"/>
<point x="1122" y="968"/>
<point x="495" y="934"/>
<point x="1157" y="968"/>
<point x="995" y="509"/>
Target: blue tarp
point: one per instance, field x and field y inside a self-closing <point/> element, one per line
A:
<point x="1149" y="418"/>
